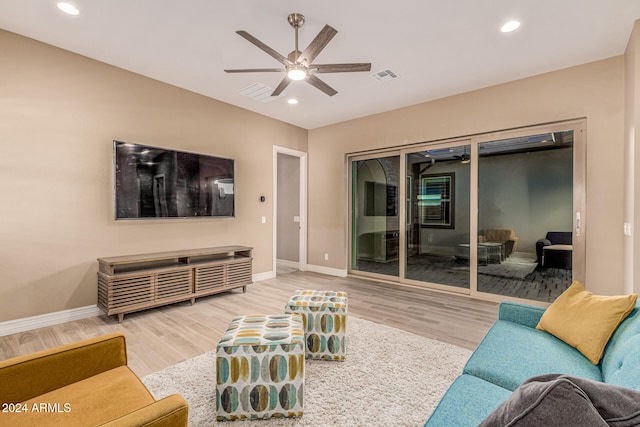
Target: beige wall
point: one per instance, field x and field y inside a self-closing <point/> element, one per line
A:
<point x="594" y="91"/>
<point x="59" y="114"/>
<point x="632" y="159"/>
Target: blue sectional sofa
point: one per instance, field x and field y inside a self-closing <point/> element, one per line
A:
<point x="513" y="351"/>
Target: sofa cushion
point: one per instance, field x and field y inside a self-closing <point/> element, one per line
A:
<point x="560" y="400"/>
<point x="23" y="377"/>
<point x="510" y="353"/>
<point x="584" y="320"/>
<point x="621" y="358"/>
<point x="467" y="402"/>
<point x="92" y="401"/>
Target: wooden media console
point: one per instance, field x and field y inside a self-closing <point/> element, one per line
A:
<point x="138" y="282"/>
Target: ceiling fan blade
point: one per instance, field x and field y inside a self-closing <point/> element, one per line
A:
<point x="282" y="86"/>
<point x="322" y="39"/>
<point x="256" y="70"/>
<point x="282" y="59"/>
<point x="319" y="84"/>
<point x="340" y="68"/>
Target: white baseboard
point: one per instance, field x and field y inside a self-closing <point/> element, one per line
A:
<point x="263" y="276"/>
<point x="43" y="320"/>
<point x="327" y="270"/>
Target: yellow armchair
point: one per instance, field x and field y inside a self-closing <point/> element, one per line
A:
<point x="87" y="383"/>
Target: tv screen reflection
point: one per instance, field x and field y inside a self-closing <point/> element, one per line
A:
<point x="152" y="182"/>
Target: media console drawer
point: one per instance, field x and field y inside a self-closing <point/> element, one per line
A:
<point x="138" y="282"/>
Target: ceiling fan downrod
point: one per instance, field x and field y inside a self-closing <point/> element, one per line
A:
<point x="296" y="20"/>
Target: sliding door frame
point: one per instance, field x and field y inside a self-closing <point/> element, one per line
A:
<point x="450" y="143"/>
<point x="350" y="211"/>
<point x="578" y="126"/>
<point x="579" y="202"/>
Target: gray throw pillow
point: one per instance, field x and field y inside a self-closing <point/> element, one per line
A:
<point x="560" y="400"/>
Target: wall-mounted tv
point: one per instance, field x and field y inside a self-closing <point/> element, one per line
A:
<point x="153" y="182"/>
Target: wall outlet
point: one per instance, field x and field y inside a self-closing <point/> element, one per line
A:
<point x="326" y="257"/>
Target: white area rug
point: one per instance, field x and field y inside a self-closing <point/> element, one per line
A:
<point x="518" y="266"/>
<point x="390" y="378"/>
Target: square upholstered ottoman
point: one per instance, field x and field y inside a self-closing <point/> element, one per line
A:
<point x="260" y="368"/>
<point x="325" y="322"/>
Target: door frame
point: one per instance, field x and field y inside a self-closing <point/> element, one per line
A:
<point x="578" y="125"/>
<point x="302" y="241"/>
<point x="579" y="128"/>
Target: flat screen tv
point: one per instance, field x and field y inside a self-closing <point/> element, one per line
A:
<point x="153" y="182"/>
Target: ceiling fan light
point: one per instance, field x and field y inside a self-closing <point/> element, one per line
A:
<point x="297" y="74"/>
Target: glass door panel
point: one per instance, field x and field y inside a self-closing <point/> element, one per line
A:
<point x="525" y="216"/>
<point x="437" y="195"/>
<point x="375" y="214"/>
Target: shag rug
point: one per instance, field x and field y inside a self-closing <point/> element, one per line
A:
<point x="390" y="378"/>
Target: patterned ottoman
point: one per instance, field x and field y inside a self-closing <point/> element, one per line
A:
<point x="325" y="321"/>
<point x="260" y="368"/>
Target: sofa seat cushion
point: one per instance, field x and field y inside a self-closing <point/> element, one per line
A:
<point x="510" y="353"/>
<point x="558" y="248"/>
<point x="467" y="402"/>
<point x="89" y="402"/>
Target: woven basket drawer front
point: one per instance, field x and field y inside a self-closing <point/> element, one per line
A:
<point x="131" y="290"/>
<point x="239" y="273"/>
<point x="173" y="283"/>
<point x="209" y="277"/>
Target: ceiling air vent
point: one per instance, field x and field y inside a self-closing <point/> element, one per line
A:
<point x="384" y="75"/>
<point x="260" y="93"/>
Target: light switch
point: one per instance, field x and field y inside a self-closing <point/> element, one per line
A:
<point x="296" y="218"/>
<point x="264" y="219"/>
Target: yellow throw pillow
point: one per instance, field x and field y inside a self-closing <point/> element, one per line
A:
<point x="586" y="321"/>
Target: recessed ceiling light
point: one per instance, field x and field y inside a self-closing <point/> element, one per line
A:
<point x="292" y="101"/>
<point x="68" y="8"/>
<point x="510" y="26"/>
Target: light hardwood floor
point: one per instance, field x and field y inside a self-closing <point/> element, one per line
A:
<point x="164" y="336"/>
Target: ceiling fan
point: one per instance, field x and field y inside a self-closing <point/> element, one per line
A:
<point x="299" y="65"/>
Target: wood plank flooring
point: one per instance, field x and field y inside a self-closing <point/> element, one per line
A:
<point x="164" y="336"/>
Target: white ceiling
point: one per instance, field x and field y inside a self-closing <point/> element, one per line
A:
<point x="437" y="48"/>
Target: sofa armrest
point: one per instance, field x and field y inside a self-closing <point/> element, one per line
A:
<point x="26" y="377"/>
<point x="172" y="411"/>
<point x="522" y="314"/>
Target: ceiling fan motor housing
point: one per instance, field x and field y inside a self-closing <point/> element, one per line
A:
<point x="296" y="20"/>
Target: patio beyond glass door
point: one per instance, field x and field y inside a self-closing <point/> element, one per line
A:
<point x="525" y="215"/>
<point x="437" y="249"/>
<point x="375" y="241"/>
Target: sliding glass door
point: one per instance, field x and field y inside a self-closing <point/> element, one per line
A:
<point x="437" y="245"/>
<point x="375" y="229"/>
<point x="496" y="216"/>
<point x="525" y="215"/>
